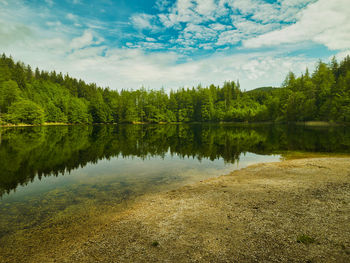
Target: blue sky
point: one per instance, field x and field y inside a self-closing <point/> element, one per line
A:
<point x="162" y="43"/>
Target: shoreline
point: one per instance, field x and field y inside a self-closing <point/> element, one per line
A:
<point x="36" y="125"/>
<point x="293" y="210"/>
<point x="306" y="123"/>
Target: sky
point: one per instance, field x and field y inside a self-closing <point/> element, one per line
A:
<point x="126" y="44"/>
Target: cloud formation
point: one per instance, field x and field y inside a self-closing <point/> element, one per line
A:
<point x="324" y="22"/>
<point x="175" y="44"/>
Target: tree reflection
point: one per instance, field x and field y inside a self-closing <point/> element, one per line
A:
<point x="44" y="151"/>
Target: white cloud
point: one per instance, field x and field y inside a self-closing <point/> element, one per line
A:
<point x="244" y="29"/>
<point x="184" y="11"/>
<point x="192" y="11"/>
<point x="229" y="37"/>
<point x="255" y="17"/>
<point x="258" y="10"/>
<point x="83" y="41"/>
<point x="49" y="2"/>
<point x="219" y="27"/>
<point x="89" y="58"/>
<point x="162" y="5"/>
<point x="54" y="24"/>
<point x="324" y="22"/>
<point x="205" y="7"/>
<point x="72" y="17"/>
<point x="206" y="46"/>
<point x="147" y="45"/>
<point x="249" y="28"/>
<point x="143" y="21"/>
<point x="150" y="39"/>
<point x="132" y="68"/>
<point x="198" y="32"/>
<point x="12" y="33"/>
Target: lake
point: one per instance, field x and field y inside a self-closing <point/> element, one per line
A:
<point x="57" y="181"/>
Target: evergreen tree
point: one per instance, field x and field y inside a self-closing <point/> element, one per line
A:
<point x="54" y="97"/>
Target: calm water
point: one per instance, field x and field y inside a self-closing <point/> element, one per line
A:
<point x="53" y="176"/>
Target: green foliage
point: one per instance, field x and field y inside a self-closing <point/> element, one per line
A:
<point x="322" y="96"/>
<point x="9" y="93"/>
<point x="5" y="73"/>
<point x="78" y="111"/>
<point x="54" y="114"/>
<point x="25" y="111"/>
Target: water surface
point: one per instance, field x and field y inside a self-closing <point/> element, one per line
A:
<point x="53" y="179"/>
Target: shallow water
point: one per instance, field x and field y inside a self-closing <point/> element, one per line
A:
<point x="53" y="179"/>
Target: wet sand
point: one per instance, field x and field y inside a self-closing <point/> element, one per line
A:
<point x="291" y="211"/>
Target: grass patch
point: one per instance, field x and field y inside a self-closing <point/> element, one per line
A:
<point x="305" y="239"/>
<point x="155" y="244"/>
<point x="303" y="155"/>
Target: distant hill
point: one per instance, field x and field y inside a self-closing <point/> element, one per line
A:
<point x="263" y="89"/>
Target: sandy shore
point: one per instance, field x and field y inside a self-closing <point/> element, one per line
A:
<point x="292" y="211"/>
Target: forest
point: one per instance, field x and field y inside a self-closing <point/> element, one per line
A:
<point x="35" y="97"/>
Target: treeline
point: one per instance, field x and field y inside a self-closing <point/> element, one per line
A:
<point x="34" y="96"/>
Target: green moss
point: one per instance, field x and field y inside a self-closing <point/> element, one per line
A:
<point x="155" y="244"/>
<point x="305" y="239"/>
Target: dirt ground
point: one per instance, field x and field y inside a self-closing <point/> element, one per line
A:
<point x="291" y="211"/>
